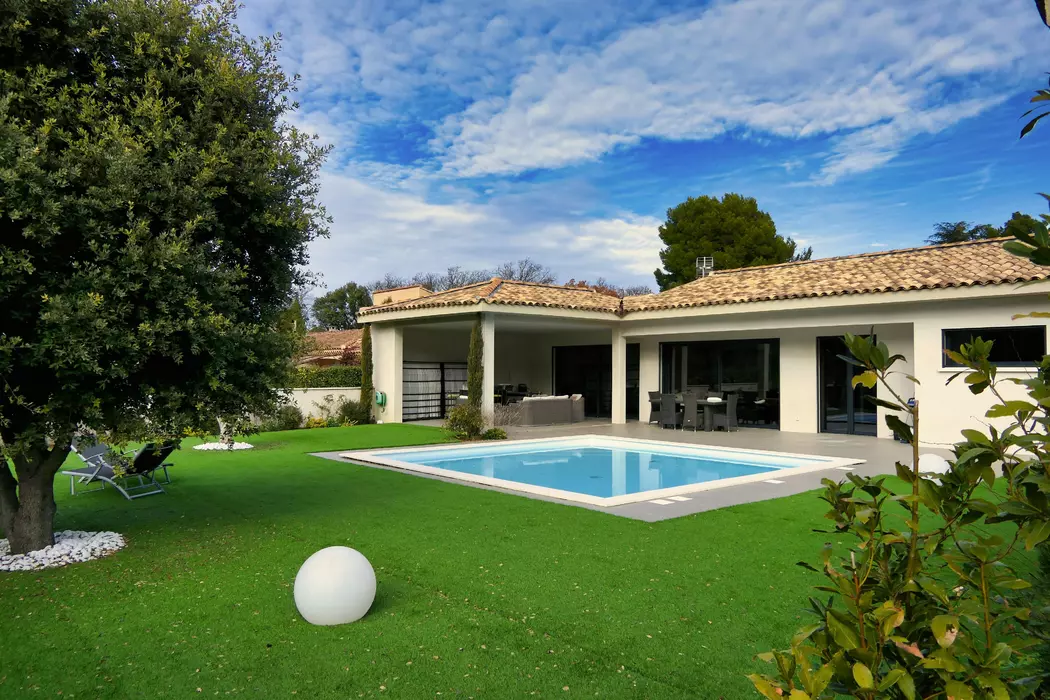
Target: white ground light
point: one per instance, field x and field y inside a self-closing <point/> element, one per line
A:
<point x="70" y="546"/>
<point x="334" y="586"/>
<point x="220" y="446"/>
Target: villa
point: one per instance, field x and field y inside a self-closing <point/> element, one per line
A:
<point x="772" y="334"/>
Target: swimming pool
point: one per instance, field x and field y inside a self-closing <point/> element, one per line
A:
<point x="598" y="470"/>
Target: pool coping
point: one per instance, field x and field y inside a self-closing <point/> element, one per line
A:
<point x="376" y="457"/>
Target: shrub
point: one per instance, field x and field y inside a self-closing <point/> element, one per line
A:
<point x="465" y="421"/>
<point x="321" y="377"/>
<point x="494" y="434"/>
<point x="352" y="412"/>
<point x="287" y="418"/>
<point x="927" y="605"/>
<point x="317" y="422"/>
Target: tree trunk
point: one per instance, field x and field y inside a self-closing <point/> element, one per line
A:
<point x="27" y="508"/>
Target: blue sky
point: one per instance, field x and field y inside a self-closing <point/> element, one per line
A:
<point x="472" y="132"/>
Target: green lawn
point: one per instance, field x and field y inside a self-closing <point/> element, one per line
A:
<point x="480" y="594"/>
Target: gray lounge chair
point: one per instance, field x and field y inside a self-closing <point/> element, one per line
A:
<point x="104" y="467"/>
<point x="689" y="419"/>
<point x="669" y="415"/>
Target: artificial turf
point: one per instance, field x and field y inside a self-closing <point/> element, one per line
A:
<point x="480" y="594"/>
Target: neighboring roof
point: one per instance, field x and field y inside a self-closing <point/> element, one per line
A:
<point x="970" y="264"/>
<point x="332" y="343"/>
<point x="512" y="293"/>
<point x="404" y="286"/>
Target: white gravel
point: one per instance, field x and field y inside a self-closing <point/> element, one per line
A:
<point x="220" y="446"/>
<point x="70" y="546"/>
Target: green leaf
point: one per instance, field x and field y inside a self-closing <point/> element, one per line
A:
<point x="945" y="629"/>
<point x="862" y="674"/>
<point x="765" y="687"/>
<point x="904" y="472"/>
<point x="900" y="429"/>
<point x="1009" y="408"/>
<point x="844" y="635"/>
<point x="976" y="436"/>
<point x="821" y="679"/>
<point x="868" y="379"/>
<point x="1031" y="125"/>
<point x="958" y="691"/>
<point x="1037" y="533"/>
<point x="890" y="679"/>
<point x="907" y="686"/>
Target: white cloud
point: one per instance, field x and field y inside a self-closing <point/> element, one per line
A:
<point x="879" y="71"/>
<point x="377" y="230"/>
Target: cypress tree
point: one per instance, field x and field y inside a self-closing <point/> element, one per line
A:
<point x="367" y="390"/>
<point x="475" y="367"/>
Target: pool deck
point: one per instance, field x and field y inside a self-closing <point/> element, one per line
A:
<point x="879" y="455"/>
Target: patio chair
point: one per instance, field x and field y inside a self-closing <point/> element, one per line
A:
<point x="654" y="406"/>
<point x="689" y="419"/>
<point x="727" y="419"/>
<point x="102" y="467"/>
<point x="669" y="415"/>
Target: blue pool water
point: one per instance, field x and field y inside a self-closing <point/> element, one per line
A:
<point x="602" y="471"/>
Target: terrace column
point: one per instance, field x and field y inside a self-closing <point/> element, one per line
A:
<point x="619" y="376"/>
<point x="488" y="363"/>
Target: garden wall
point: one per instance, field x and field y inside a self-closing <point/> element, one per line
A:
<point x="306" y="399"/>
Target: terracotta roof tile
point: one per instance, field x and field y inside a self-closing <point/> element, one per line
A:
<point x="331" y="343"/>
<point x="509" y="292"/>
<point x="969" y="264"/>
<point x="975" y="263"/>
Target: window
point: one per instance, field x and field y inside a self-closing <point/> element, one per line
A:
<point x="1020" y="346"/>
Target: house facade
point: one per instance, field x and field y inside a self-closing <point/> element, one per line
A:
<point x="771" y="334"/>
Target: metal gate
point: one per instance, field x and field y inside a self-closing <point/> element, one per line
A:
<point x="430" y="388"/>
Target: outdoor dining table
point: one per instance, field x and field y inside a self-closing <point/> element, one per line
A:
<point x="709" y="407"/>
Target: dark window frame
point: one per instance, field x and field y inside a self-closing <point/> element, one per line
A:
<point x="948" y="363"/>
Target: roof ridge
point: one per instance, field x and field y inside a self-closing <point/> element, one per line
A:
<point x="854" y="256"/>
<point x="404" y="286"/>
<point x="494" y="284"/>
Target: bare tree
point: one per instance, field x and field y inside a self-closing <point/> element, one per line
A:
<point x="636" y="290"/>
<point x="388" y="281"/>
<point x="525" y="270"/>
<point x="456" y="276"/>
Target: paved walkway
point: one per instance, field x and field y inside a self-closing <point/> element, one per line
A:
<point x="879" y="455"/>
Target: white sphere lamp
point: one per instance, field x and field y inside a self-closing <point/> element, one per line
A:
<point x="334" y="586"/>
<point x="932" y="463"/>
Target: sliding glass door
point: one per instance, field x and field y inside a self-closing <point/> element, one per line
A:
<point x="749" y="368"/>
<point x="843" y="409"/>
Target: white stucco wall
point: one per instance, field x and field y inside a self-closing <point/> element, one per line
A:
<point x="909" y="324"/>
<point x="307" y="399"/>
<point x="387" y="359"/>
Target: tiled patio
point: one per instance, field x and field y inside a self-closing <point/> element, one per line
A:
<point x="879" y="456"/>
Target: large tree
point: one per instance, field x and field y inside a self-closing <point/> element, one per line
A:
<point x="961" y="231"/>
<point x="337" y="310"/>
<point x="732" y="230"/>
<point x="1020" y="225"/>
<point x="155" y="209"/>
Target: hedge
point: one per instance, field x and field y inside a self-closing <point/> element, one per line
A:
<point x="335" y="375"/>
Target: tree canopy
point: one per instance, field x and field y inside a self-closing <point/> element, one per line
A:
<point x="156" y="209"/>
<point x="732" y="230"/>
<point x="337" y="310"/>
<point x="962" y="231"/>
